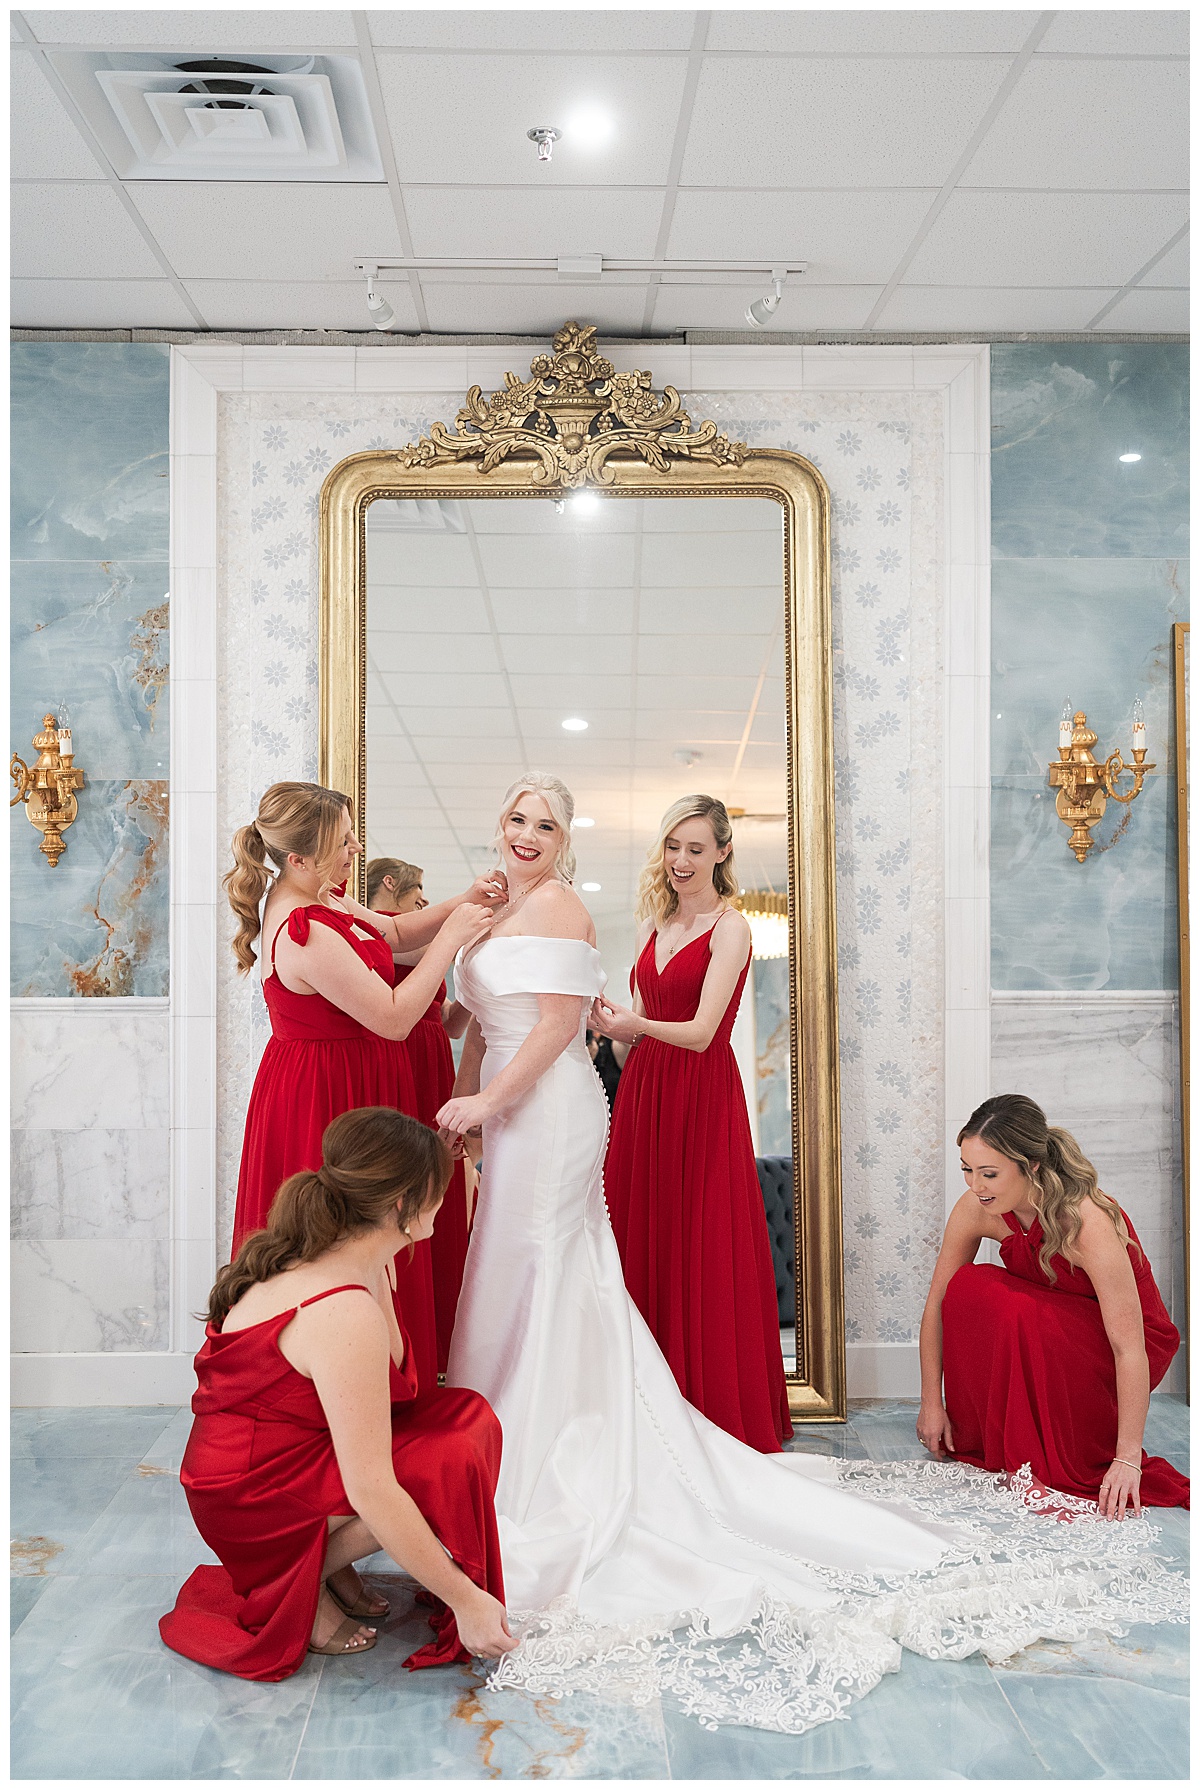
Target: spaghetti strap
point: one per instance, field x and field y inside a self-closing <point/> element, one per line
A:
<point x="275" y="941"/>
<point x="353" y="1286"/>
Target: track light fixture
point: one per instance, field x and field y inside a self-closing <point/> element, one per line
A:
<point x="763" y="309"/>
<point x="382" y="314"/>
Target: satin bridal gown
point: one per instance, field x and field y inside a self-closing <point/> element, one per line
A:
<point x="645" y="1550"/>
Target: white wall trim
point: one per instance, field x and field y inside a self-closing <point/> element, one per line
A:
<point x="133" y="1379"/>
<point x="120" y="1003"/>
<point x="1079" y="997"/>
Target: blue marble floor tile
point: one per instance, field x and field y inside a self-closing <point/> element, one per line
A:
<point x="122" y="1432"/>
<point x="145" y="1528"/>
<point x="96" y="1694"/>
<point x="60" y="1500"/>
<point x="1168" y="1428"/>
<point x="25" y="1589"/>
<point x="167" y="1449"/>
<point x="1099" y="1727"/>
<point x="932" y="1719"/>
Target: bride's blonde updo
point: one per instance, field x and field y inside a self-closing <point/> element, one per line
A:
<point x="303" y="818"/>
<point x="561" y="804"/>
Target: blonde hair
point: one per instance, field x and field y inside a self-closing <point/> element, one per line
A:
<point x="1060" y="1174"/>
<point x="292" y="817"/>
<point x="561" y="804"/>
<point x="656" y="899"/>
<point x="406" y="877"/>
<point x="374" y="1161"/>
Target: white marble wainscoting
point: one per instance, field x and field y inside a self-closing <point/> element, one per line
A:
<point x="1105" y="1066"/>
<point x="90" y="1194"/>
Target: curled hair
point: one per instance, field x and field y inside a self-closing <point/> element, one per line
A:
<point x="561" y="804"/>
<point x="1060" y="1174"/>
<point x="406" y="877"/>
<point x="374" y="1161"/>
<point x="292" y="817"/>
<point x="656" y="899"/>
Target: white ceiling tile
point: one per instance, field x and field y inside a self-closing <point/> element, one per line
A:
<point x="711" y="612"/>
<point x="538" y="31"/>
<point x="847" y="239"/>
<point x="1175" y="267"/>
<point x="213" y="30"/>
<point x="452" y="116"/>
<point x="431" y="652"/>
<point x="955" y="309"/>
<point x="617" y="222"/>
<point x="1089" y="124"/>
<point x="1146" y="308"/>
<point x="571" y="562"/>
<point x="310" y="304"/>
<point x="901" y="122"/>
<point x="697" y="727"/>
<point x="544" y="724"/>
<point x="424" y="561"/>
<point x="428" y="610"/>
<point x="695" y="692"/>
<point x="666" y="655"/>
<point x="64" y="231"/>
<point x="1127" y="33"/>
<point x="554" y="655"/>
<point x="499" y="307"/>
<point x="285" y="232"/>
<point x="876" y="32"/>
<point x="725" y="559"/>
<point x="570" y="611"/>
<point x="745" y="515"/>
<point x="803" y="307"/>
<point x="471" y="687"/>
<point x="577" y="695"/>
<point x="1044" y="239"/>
<point x="45" y="143"/>
<point x="98" y="304"/>
<point x="449" y="774"/>
<point x="538" y="516"/>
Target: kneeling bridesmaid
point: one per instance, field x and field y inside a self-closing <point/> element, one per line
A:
<point x="1049" y="1360"/>
<point x="311" y="1447"/>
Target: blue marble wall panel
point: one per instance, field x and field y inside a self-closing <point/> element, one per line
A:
<point x="1089" y="573"/>
<point x="90" y="641"/>
<point x="773" y="1049"/>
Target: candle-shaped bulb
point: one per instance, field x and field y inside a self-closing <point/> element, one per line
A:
<point x="1066" y="726"/>
<point x="64" y="739"/>
<point x="1139" y="726"/>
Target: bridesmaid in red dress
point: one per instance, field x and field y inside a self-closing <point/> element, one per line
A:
<point x="394" y="887"/>
<point x="338" y="1023"/>
<point x="679" y="1178"/>
<point x="311" y="1447"/>
<point x="1051" y="1359"/>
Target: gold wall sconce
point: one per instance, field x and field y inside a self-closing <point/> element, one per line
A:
<point x="47" y="786"/>
<point x="1083" y="784"/>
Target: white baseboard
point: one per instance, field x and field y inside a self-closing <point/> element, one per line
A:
<point x="141" y="1379"/>
<point x="883" y="1370"/>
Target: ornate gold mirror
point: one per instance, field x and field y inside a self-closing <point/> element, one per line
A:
<point x="575" y="551"/>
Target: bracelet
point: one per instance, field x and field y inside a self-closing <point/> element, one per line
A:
<point x="1119" y="1460"/>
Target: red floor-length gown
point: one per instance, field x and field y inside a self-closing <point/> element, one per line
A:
<point x="687" y="1210"/>
<point x="1029" y="1372"/>
<point x="318" y="1064"/>
<point x="261" y="1479"/>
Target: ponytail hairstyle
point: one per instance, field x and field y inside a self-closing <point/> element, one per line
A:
<point x="656" y="898"/>
<point x="1060" y="1174"/>
<point x="292" y="817"/>
<point x="376" y="1163"/>
<point x="561" y="804"/>
<point x="406" y="877"/>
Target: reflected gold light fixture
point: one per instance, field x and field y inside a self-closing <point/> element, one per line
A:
<point x="1083" y="784"/>
<point x="47" y="786"/>
<point x="768" y="917"/>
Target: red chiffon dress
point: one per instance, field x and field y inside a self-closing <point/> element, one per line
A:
<point x="261" y="1479"/>
<point x="1029" y="1372"/>
<point x="318" y="1064"/>
<point x="687" y="1210"/>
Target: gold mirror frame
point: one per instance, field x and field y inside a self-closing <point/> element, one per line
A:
<point x="577" y="422"/>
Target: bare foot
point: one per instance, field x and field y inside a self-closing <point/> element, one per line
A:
<point x="350" y="1588"/>
<point x="329" y="1620"/>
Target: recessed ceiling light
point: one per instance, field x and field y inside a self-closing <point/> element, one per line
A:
<point x="584" y="503"/>
<point x="583" y="820"/>
<point x="573" y="724"/>
<point x="590" y="127"/>
<point x="590" y="888"/>
<point x="1128" y="459"/>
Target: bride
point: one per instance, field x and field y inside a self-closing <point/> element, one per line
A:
<point x="644" y="1549"/>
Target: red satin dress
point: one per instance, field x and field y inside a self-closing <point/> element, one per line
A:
<point x="1029" y="1372"/>
<point x="318" y="1064"/>
<point x="261" y="1479"/>
<point x="687" y="1210"/>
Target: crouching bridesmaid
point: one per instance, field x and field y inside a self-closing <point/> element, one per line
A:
<point x="1050" y="1360"/>
<point x="311" y="1448"/>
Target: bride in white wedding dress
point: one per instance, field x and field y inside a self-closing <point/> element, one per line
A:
<point x="644" y="1549"/>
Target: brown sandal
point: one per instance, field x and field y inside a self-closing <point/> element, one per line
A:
<point x="361" y="1607"/>
<point x="339" y="1640"/>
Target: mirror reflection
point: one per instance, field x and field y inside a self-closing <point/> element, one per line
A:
<point x="634" y="648"/>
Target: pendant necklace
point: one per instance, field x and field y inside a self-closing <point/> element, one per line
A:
<point x="699" y="935"/>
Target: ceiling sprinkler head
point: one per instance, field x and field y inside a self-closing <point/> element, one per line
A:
<point x="545" y="136"/>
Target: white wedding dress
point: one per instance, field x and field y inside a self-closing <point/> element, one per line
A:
<point x="644" y="1549"/>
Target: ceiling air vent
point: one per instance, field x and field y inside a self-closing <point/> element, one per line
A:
<point x="197" y="117"/>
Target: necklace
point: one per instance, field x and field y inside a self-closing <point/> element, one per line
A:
<point x="689" y="940"/>
<point x="514" y="904"/>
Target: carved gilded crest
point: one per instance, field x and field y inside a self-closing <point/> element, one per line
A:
<point x="574" y="414"/>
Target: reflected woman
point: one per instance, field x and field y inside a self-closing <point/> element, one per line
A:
<point x="680" y="1179"/>
<point x="393" y="888"/>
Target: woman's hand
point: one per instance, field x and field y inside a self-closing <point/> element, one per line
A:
<point x="1120" y="1491"/>
<point x="483" y="1625"/>
<point x="467" y="924"/>
<point x="491" y="890"/>
<point x="615" y="1022"/>
<point x="933" y="1430"/>
<point x="467" y="1112"/>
